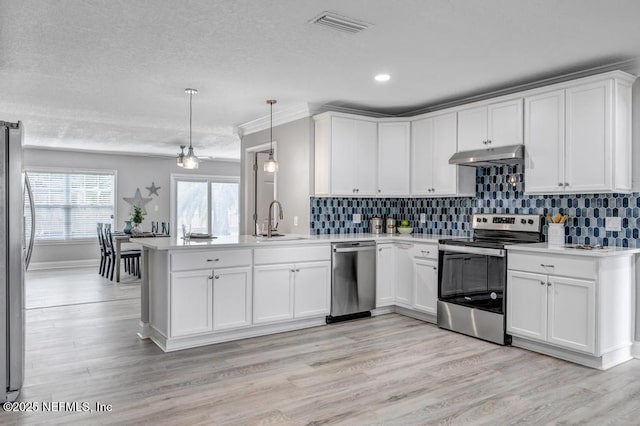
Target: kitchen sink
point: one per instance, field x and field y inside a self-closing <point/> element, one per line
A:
<point x="280" y="237"/>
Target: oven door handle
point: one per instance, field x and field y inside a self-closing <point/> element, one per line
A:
<point x="472" y="250"/>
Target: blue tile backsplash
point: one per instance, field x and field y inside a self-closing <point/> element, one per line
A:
<point x="498" y="190"/>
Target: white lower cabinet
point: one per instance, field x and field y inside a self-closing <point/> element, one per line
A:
<point x="206" y="300"/>
<point x="404" y="275"/>
<point x="312" y="289"/>
<point x="231" y="298"/>
<point x="407" y="276"/>
<point x="582" y="306"/>
<point x="191" y="299"/>
<point x="425" y="278"/>
<point x="291" y="290"/>
<point x="272" y="293"/>
<point x="385" y="275"/>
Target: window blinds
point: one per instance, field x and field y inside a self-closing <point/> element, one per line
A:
<point x="68" y="204"/>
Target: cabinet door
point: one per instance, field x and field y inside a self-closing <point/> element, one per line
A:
<point x="272" y="293"/>
<point x="404" y="274"/>
<point x="425" y="281"/>
<point x="544" y="140"/>
<point x="572" y="313"/>
<point x="472" y="128"/>
<point x="393" y="158"/>
<point x="231" y="298"/>
<point x="588" y="137"/>
<point x="344" y="143"/>
<point x="527" y="305"/>
<point x="190" y="301"/>
<point x="365" y="158"/>
<point x="312" y="289"/>
<point x="385" y="275"/>
<point x="422" y="141"/>
<point x="505" y="123"/>
<point x="445" y="175"/>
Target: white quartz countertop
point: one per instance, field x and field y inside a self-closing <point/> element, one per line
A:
<point x="177" y="243"/>
<point x="569" y="249"/>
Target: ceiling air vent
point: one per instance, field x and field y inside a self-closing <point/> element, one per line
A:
<point x="340" y="23"/>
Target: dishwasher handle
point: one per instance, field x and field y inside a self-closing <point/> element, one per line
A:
<point x="355" y="246"/>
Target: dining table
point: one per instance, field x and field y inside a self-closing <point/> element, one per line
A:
<point x="121" y="237"/>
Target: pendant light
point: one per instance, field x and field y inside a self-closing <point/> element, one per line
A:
<point x="180" y="159"/>
<point x="271" y="165"/>
<point x="189" y="161"/>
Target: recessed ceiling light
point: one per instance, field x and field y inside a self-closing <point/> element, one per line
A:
<point x="382" y="77"/>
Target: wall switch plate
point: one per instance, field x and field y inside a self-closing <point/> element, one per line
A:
<point x="613" y="224"/>
<point x="295" y="221"/>
<point x="423" y="218"/>
<point x="357" y="218"/>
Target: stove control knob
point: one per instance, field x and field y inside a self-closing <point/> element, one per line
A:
<point x="478" y="220"/>
<point x="484" y="219"/>
<point x="530" y="221"/>
<point x="523" y="221"/>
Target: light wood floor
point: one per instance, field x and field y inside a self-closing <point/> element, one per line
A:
<point x="384" y="370"/>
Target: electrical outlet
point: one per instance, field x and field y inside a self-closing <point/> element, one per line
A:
<point x="295" y="221"/>
<point x="613" y="224"/>
<point x="423" y="218"/>
<point x="357" y="218"/>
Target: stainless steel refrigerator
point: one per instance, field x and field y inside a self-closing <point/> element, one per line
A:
<point x="15" y="253"/>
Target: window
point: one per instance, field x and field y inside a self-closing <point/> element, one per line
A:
<point x="206" y="204"/>
<point x="69" y="204"/>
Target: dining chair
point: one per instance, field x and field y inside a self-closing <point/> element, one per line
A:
<point x="103" y="253"/>
<point x="130" y="257"/>
<point x="154" y="226"/>
<point x="165" y="228"/>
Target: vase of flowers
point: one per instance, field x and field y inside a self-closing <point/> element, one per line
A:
<point x="137" y="217"/>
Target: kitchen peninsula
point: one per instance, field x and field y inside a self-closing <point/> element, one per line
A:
<point x="200" y="292"/>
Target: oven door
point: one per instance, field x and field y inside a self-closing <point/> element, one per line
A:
<point x="472" y="276"/>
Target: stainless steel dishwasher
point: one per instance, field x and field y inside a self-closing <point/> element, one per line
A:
<point x="353" y="280"/>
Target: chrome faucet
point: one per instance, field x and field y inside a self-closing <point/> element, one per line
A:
<point x="270" y="227"/>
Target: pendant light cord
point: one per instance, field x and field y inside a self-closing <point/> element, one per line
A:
<point x="271" y="129"/>
<point x="190" y="116"/>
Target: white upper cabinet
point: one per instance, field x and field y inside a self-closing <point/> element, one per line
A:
<point x="345" y="156"/>
<point x="393" y="158"/>
<point x="544" y="142"/>
<point x="497" y="124"/>
<point x="433" y="142"/>
<point x="577" y="137"/>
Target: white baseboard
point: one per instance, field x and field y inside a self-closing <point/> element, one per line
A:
<point x="64" y="264"/>
<point x="635" y="350"/>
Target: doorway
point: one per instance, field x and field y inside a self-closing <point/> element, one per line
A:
<point x="261" y="188"/>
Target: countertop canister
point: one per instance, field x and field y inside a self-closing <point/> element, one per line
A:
<point x="555" y="234"/>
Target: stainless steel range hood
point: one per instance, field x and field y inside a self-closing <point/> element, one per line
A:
<point x="501" y="155"/>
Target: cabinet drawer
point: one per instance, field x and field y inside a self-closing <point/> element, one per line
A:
<point x="568" y="266"/>
<point x="425" y="251"/>
<point x="209" y="259"/>
<point x="292" y="254"/>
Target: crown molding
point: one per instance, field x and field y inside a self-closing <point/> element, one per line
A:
<point x="283" y="116"/>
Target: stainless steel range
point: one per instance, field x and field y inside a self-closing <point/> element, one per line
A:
<point x="472" y="274"/>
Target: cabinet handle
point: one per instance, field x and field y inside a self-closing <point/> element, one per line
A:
<point x="542" y="283"/>
<point x="425" y="253"/>
<point x="210" y="277"/>
<point x="489" y="141"/>
<point x="566" y="184"/>
<point x="379" y="249"/>
<point x="293" y="270"/>
<point x="484" y="142"/>
<point x="379" y="190"/>
<point x="548" y="284"/>
<point x="435" y="269"/>
<point x="297" y="270"/>
<point x="213" y="260"/>
<point x="357" y="189"/>
<point x="547" y="266"/>
<point x="433" y="190"/>
<point x="560" y="184"/>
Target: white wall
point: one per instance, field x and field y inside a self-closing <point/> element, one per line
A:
<point x="132" y="172"/>
<point x="295" y="178"/>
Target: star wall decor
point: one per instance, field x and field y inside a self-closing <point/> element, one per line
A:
<point x="153" y="189"/>
<point x="137" y="201"/>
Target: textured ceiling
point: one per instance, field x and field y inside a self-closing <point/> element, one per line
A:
<point x="110" y="75"/>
